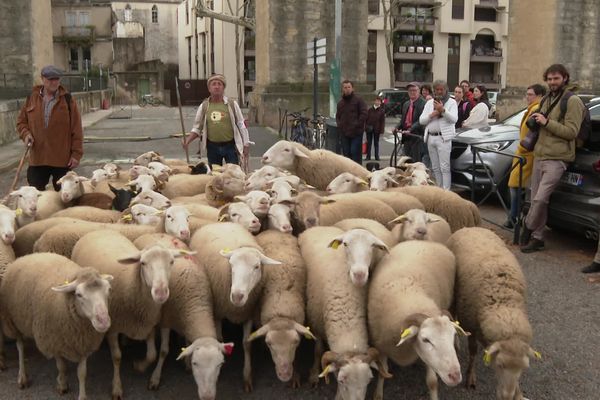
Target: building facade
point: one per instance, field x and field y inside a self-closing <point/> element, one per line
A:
<point x="451" y="40"/>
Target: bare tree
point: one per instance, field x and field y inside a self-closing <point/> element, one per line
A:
<point x="389" y="30"/>
<point x="203" y="11"/>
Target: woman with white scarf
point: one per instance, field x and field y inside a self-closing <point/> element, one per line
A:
<point x="439" y="116"/>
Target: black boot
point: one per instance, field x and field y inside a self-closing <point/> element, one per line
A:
<point x="590" y="269"/>
<point x="534" y="245"/>
<point x="509" y="223"/>
<point x="525" y="236"/>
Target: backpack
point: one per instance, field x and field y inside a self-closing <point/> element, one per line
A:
<point x="585" y="129"/>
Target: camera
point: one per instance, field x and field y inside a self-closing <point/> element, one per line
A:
<point x="532" y="124"/>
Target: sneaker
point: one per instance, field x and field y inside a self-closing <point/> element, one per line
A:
<point x="534" y="245"/>
<point x="592" y="268"/>
<point x="525" y="236"/>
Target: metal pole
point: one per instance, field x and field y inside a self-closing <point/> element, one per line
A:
<point x="335" y="72"/>
<point x="315" y="80"/>
<point x="187" y="154"/>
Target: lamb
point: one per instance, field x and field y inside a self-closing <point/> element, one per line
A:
<point x="399" y="202"/>
<point x="88" y="213"/>
<point x="317" y="167"/>
<point x="66" y="312"/>
<point x="112" y="169"/>
<point x="72" y="186"/>
<point x="420" y="225"/>
<point x="240" y="213"/>
<point x="160" y="171"/>
<point x="188" y="311"/>
<point x="279" y="218"/>
<point x="352" y="206"/>
<point x="98" y="175"/>
<point x="376" y="228"/>
<point x="346" y="183"/>
<point x="282" y="304"/>
<point x="222" y="189"/>
<point x="336" y="312"/>
<point x="457" y="211"/>
<point x="409" y="292"/>
<point x="258" y="201"/>
<point x="139" y="290"/>
<point x="491" y="303"/>
<point x="281" y="190"/>
<point x="231" y="257"/>
<point x="185" y="185"/>
<point x="25" y="200"/>
<point x="8" y="222"/>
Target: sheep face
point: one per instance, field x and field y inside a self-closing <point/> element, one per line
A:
<point x="240" y="213"/>
<point x="138" y="170"/>
<point x="282" y="336"/>
<point x="112" y="169"/>
<point x="7" y="225"/>
<point x="433" y="342"/>
<point x="259" y="178"/>
<point x="177" y="222"/>
<point x="281" y="190"/>
<point x="279" y="218"/>
<point x="414" y="224"/>
<point x="90" y="291"/>
<point x="122" y="198"/>
<point x="207" y="357"/>
<point x="382" y="179"/>
<point x="258" y="201"/>
<point x="159" y="170"/>
<point x="282" y="155"/>
<point x="509" y="358"/>
<point x="71" y="186"/>
<point x="359" y="246"/>
<point x="144" y="183"/>
<point x="307" y="208"/>
<point x="148" y="157"/>
<point x="99" y="175"/>
<point x="227" y="185"/>
<point x="234" y="170"/>
<point x="246" y="272"/>
<point x="142" y="214"/>
<point x="419" y="178"/>
<point x="153" y="199"/>
<point x="201" y="168"/>
<point x="346" y="183"/>
<point x="27" y="199"/>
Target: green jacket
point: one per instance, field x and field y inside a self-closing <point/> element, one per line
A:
<point x="557" y="139"/>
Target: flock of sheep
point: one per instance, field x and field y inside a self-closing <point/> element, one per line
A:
<point x="371" y="266"/>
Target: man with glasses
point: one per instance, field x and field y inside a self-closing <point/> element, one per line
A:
<point x="49" y="123"/>
<point x="411" y="111"/>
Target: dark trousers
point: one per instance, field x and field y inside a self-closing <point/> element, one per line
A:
<point x="413" y="147"/>
<point x="216" y="152"/>
<point x="39" y="175"/>
<point x="372" y="139"/>
<point x="352" y="148"/>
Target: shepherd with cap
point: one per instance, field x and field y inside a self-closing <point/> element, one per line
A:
<point x="49" y="123"/>
<point x="220" y="126"/>
<point x="409" y="123"/>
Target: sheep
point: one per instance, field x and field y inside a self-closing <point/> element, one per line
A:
<point x="25" y="202"/>
<point x="7" y="254"/>
<point x="457" y="211"/>
<point x="142" y="214"/>
<point x="336" y="312"/>
<point x="202" y="211"/>
<point x="259" y="178"/>
<point x="88" y="213"/>
<point x="147" y="157"/>
<point x="279" y="218"/>
<point x="240" y="213"/>
<point x="376" y="228"/>
<point x="317" y="167"/>
<point x="258" y="201"/>
<point x="48" y="203"/>
<point x="99" y="175"/>
<point x="8" y="222"/>
<point x="62" y="306"/>
<point x="420" y="225"/>
<point x="159" y="170"/>
<point x="185" y="185"/>
<point x="202" y="168"/>
<point x="282" y="304"/>
<point x="112" y="169"/>
<point x="399" y="202"/>
<point x="231" y="257"/>
<point x="26" y="236"/>
<point x="145" y="183"/>
<point x="222" y="189"/>
<point x="138" y="170"/>
<point x="409" y="292"/>
<point x="351" y="206"/>
<point x="151" y="198"/>
<point x="281" y="190"/>
<point x="196" y="199"/>
<point x="139" y="290"/>
<point x="346" y="183"/>
<point x="188" y="311"/>
<point x="491" y="303"/>
<point x="382" y="179"/>
<point x="77" y="190"/>
<point x="306" y="210"/>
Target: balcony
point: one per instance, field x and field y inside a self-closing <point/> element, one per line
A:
<point x="490" y="4"/>
<point x="79" y="34"/>
<point x="412" y="52"/>
<point x="404" y="78"/>
<point x="415" y="23"/>
<point x="489" y="81"/>
<point x="486" y="54"/>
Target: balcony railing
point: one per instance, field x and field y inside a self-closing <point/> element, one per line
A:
<point x="78" y="32"/>
<point x="403" y="78"/>
<point x="414" y="52"/>
<point x="489" y="81"/>
<point x="486" y="54"/>
<point x="488" y="3"/>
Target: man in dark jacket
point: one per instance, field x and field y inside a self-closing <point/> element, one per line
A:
<point x="350" y="117"/>
<point x="411" y="111"/>
<point x="374" y="127"/>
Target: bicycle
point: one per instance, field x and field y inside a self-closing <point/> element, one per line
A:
<point x="319" y="133"/>
<point x="149" y="99"/>
<point x="300" y="132"/>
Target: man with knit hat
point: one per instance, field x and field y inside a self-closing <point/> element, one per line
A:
<point x="219" y="124"/>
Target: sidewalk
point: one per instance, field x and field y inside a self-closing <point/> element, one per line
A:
<point x="11" y="153"/>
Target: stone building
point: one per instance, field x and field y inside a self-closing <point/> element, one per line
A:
<point x="25" y="45"/>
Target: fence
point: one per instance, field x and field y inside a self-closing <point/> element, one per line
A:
<point x="77" y="83"/>
<point x="14" y="86"/>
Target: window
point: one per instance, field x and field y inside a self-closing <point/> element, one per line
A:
<point x="128" y="14"/>
<point x="86" y="52"/>
<point x="74" y="59"/>
<point x="458" y="9"/>
<point x="374" y="7"/>
<point x="71" y="17"/>
<point x="485" y="14"/>
<point x="372" y="58"/>
<point x="154" y="14"/>
<point x="84" y="18"/>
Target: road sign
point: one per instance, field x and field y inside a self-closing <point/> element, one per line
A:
<point x="320" y="60"/>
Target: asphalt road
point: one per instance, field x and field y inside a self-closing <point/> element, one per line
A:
<point x="563" y="307"/>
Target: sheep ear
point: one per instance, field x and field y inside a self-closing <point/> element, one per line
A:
<point x="262" y="331"/>
<point x="66" y="287"/>
<point x="241" y="198"/>
<point x="61" y="180"/>
<point x="335" y="243"/>
<point x="408" y="334"/>
<point x="289" y="202"/>
<point x="381" y="246"/>
<point x="134" y="258"/>
<point x="431" y="219"/>
<point x="107" y="277"/>
<point x="268" y="261"/>
<point x="304" y="330"/>
<point x="399" y="219"/>
<point x="186" y="351"/>
<point x="227" y="253"/>
<point x="298" y="153"/>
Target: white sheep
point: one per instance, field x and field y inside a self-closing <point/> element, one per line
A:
<point x="139" y="289"/>
<point x="88" y="213"/>
<point x="382" y="179"/>
<point x="48" y="203"/>
<point x="457" y="211"/>
<point x="60" y="305"/>
<point x="99" y="175"/>
<point x="185" y="185"/>
<point x="145" y="158"/>
<point x="25" y="202"/>
<point x="306" y="210"/>
<point x="8" y="222"/>
<point x="145" y="182"/>
<point x="223" y="188"/>
<point x="152" y="198"/>
<point x="317" y="167"/>
<point x="234" y="263"/>
<point x="141" y="214"/>
<point x="233" y="170"/>
<point x="112" y="169"/>
<point x="159" y="170"/>
<point x="409" y="292"/>
<point x="336" y="312"/>
<point x="281" y="190"/>
<point x="491" y="303"/>
<point x="346" y="183"/>
<point x="376" y="228"/>
<point x="26" y="236"/>
<point x="279" y="218"/>
<point x="73" y="186"/>
<point x="258" y="200"/>
<point x="240" y="213"/>
<point x="399" y="202"/>
<point x="202" y="211"/>
<point x="418" y="224"/>
<point x="259" y="178"/>
<point x="349" y="205"/>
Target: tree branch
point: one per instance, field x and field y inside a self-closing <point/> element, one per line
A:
<point x="203" y="11"/>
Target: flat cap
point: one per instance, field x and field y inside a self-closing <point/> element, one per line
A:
<point x="50" y="71"/>
<point x="415" y="84"/>
<point x="217" y="77"/>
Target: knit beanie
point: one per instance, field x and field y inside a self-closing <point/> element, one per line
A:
<point x="217" y="77"/>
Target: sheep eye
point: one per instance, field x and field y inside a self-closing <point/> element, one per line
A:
<point x="257" y="266"/>
<point x="235" y="215"/>
<point x="347" y="180"/>
<point x="425" y="340"/>
<point x="287" y="150"/>
<point x="345" y="244"/>
<point x="79" y="295"/>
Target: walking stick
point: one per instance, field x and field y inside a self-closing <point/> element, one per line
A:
<point x="187" y="154"/>
<point x="16" y="179"/>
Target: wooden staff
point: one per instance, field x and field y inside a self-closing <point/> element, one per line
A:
<point x="19" y="168"/>
<point x="187" y="154"/>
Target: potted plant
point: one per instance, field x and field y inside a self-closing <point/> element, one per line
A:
<point x="402" y="47"/>
<point x="411" y="49"/>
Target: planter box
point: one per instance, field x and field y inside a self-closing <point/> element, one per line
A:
<point x="411" y="49"/>
<point x="402" y="49"/>
<point x="428" y="49"/>
<point x="420" y="49"/>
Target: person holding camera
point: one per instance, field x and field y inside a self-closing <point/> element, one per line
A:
<point x="439" y="116"/>
<point x="553" y="149"/>
<point x="478" y="117"/>
<point x="533" y="96"/>
<point x="374" y="127"/>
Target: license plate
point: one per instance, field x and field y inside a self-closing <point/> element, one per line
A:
<point x="573" y="179"/>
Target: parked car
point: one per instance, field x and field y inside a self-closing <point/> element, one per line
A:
<point x="492" y="98"/>
<point x="574" y="205"/>
<point x="393" y="100"/>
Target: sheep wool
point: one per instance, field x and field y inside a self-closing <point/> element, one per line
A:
<point x="399" y="202"/>
<point x="185" y="185"/>
<point x="88" y="213"/>
<point x="26" y="236"/>
<point x="347" y="205"/>
<point x="374" y="227"/>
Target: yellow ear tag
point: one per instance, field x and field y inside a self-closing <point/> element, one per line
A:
<point x="252" y="336"/>
<point x="226" y="250"/>
<point x="325" y="372"/>
<point x="67" y="282"/>
<point x="405" y="333"/>
<point x="127" y="217"/>
<point x="335" y="244"/>
<point x="487" y="358"/>
<point x="537" y="355"/>
<point x="183" y="349"/>
<point x="18" y="212"/>
<point x="306" y="335"/>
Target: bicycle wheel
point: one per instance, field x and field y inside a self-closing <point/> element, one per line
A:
<point x="297" y="135"/>
<point x="156" y="102"/>
<point x="142" y="102"/>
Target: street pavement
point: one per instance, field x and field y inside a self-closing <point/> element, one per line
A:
<point x="563" y="305"/>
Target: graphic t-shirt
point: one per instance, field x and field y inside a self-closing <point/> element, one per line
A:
<point x="218" y="123"/>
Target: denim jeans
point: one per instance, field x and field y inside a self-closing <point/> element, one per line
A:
<point x="352" y="148"/>
<point x="216" y="152"/>
<point x="372" y="138"/>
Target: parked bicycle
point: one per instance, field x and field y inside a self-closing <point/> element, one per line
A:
<point x="149" y="99"/>
<point x="319" y="133"/>
<point x="301" y="132"/>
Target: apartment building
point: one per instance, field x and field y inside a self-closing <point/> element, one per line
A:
<point x="450" y="40"/>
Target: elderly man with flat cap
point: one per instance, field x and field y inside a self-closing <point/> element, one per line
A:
<point x="411" y="111"/>
<point x="220" y="126"/>
<point x="49" y="123"/>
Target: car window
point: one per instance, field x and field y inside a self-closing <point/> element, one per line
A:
<point x="515" y="119"/>
<point x="595" y="111"/>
